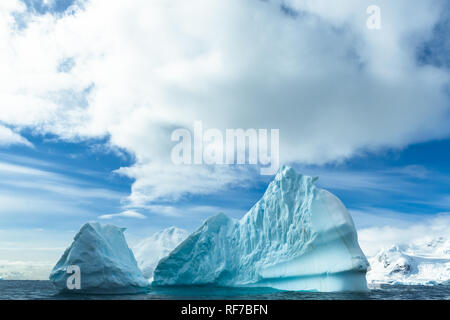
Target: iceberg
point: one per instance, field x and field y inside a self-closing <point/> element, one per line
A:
<point x="105" y="263"/>
<point x="149" y="251"/>
<point x="419" y="263"/>
<point x="296" y="237"/>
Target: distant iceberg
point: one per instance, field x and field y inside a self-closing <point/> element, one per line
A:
<point x="297" y="237"/>
<point x="25" y="270"/>
<point x="106" y="263"/>
<point x="419" y="263"/>
<point x="151" y="250"/>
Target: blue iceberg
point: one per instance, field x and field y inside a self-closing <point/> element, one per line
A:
<point x="296" y="237"/>
<point x="105" y="263"/>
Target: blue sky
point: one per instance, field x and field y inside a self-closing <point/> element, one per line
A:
<point x="88" y="108"/>
<point x="68" y="184"/>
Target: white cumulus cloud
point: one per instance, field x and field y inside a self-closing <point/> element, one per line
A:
<point x="378" y="238"/>
<point x="136" y="70"/>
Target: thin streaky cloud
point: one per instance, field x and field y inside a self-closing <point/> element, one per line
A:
<point x="124" y="214"/>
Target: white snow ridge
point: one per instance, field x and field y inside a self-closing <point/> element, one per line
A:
<point x="151" y="250"/>
<point x="297" y="237"/>
<point x="419" y="263"/>
<point x="106" y="262"/>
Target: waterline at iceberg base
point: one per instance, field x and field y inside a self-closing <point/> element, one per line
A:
<point x="296" y="237"/>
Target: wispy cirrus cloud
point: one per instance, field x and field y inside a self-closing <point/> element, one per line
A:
<point x="124" y="214"/>
<point x="9" y="137"/>
<point x="30" y="178"/>
<point x="192" y="210"/>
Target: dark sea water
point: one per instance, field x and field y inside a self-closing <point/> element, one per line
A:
<point x="45" y="290"/>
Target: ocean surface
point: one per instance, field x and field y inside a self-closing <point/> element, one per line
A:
<point x="18" y="289"/>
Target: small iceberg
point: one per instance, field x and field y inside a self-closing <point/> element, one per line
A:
<point x="99" y="261"/>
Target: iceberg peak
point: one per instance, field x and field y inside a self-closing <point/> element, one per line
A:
<point x="217" y="220"/>
<point x="287" y="172"/>
<point x="288" y="180"/>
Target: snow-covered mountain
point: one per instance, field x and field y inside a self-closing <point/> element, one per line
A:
<point x="149" y="251"/>
<point x="296" y="237"/>
<point x="418" y="263"/>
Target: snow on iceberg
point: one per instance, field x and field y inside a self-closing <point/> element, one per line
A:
<point x="151" y="250"/>
<point x="419" y="263"/>
<point x="297" y="237"/>
<point x="106" y="263"/>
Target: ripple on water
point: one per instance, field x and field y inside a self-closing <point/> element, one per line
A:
<point x="20" y="289"/>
